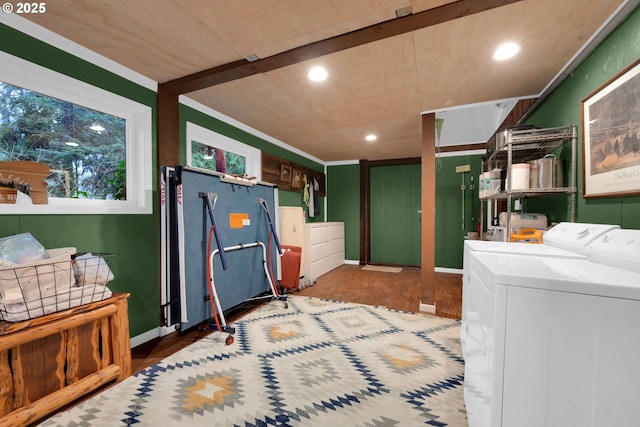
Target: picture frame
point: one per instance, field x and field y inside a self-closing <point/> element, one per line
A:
<point x="285" y="173"/>
<point x="610" y="136"/>
<point x="296" y="178"/>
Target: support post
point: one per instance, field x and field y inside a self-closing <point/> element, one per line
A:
<point x="428" y="239"/>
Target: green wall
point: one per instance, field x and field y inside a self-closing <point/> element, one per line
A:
<point x="134" y="238"/>
<point x="343" y="189"/>
<point x="562" y="107"/>
<point x="450" y="227"/>
<point x="343" y="205"/>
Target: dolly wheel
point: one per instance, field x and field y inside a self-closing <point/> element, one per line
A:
<point x="229" y="340"/>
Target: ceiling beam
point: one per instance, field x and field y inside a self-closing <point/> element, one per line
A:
<point x="463" y="147"/>
<point x="243" y="68"/>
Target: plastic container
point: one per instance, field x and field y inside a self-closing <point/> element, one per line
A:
<point x="527" y="235"/>
<point x="520" y="221"/>
<point x="520" y="176"/>
<point x="493" y="186"/>
<point x="490" y="183"/>
<point x="494" y="174"/>
<point x="21" y="249"/>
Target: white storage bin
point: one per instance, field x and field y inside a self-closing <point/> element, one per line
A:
<point x="520" y="176"/>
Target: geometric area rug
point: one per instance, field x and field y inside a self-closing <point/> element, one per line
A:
<point x="315" y="363"/>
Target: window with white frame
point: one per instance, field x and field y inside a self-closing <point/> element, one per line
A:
<point x="96" y="144"/>
<point x="210" y="150"/>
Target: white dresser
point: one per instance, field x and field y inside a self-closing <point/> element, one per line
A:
<point x="322" y="243"/>
<point x="323" y="249"/>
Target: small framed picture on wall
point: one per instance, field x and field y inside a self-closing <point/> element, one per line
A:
<point x="285" y="173"/>
<point x="296" y="178"/>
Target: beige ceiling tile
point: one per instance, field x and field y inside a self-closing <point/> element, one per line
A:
<point x="395" y="129"/>
<point x="422" y="5"/>
<point x="373" y="81"/>
<point x="404" y="132"/>
<point x="181" y="54"/>
<point x="448" y="85"/>
<point x="162" y="43"/>
<point x="268" y="28"/>
<point x="111" y="26"/>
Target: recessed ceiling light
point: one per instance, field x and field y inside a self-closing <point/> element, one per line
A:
<point x="97" y="128"/>
<point x="371" y="137"/>
<point x="318" y="74"/>
<point x="71" y="144"/>
<point x="506" y="51"/>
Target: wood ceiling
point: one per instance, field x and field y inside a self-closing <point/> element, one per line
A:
<point x="378" y="87"/>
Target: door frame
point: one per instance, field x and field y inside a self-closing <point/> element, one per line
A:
<point x="365" y="199"/>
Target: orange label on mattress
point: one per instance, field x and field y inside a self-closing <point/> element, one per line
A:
<point x="239" y="220"/>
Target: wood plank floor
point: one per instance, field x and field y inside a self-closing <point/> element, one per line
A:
<point x="399" y="291"/>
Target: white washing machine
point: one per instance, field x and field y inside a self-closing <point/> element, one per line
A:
<point x="564" y="240"/>
<point x="555" y="341"/>
<point x="618" y="248"/>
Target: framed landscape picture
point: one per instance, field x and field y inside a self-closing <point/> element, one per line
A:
<point x="610" y="129"/>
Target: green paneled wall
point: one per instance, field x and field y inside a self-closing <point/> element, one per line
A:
<point x="450" y="226"/>
<point x="343" y="205"/>
<point x="134" y="238"/>
<point x="343" y="189"/>
<point x="287" y="198"/>
<point x="562" y="107"/>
